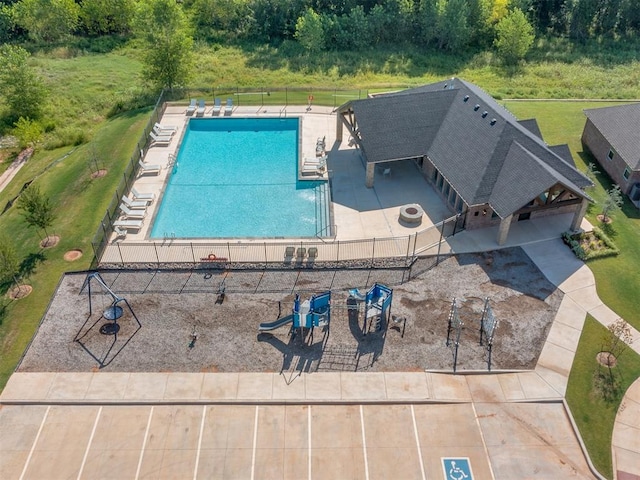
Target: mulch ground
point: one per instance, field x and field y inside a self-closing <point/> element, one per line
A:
<point x="176" y="321"/>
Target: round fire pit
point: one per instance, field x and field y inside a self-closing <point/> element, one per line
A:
<point x="411" y="214"/>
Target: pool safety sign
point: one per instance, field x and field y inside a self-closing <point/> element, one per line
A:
<point x="457" y="468"/>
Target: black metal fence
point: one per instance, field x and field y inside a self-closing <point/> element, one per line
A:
<point x="172" y="253"/>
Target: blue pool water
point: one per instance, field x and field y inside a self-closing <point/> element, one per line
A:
<point x="238" y="177"/>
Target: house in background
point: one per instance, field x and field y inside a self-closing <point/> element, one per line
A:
<point x="485" y="164"/>
<point x="612" y="135"/>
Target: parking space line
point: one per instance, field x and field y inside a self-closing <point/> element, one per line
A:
<point x="484" y="444"/>
<point x="364" y="445"/>
<point x="415" y="431"/>
<point x="86" y="452"/>
<point x="309" y="437"/>
<point x="255" y="442"/>
<point x="35" y="441"/>
<point x="195" y="469"/>
<point x="144" y="443"/>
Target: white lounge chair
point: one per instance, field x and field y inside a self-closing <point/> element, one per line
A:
<point x="159" y="140"/>
<point x="191" y="109"/>
<point x="316" y="161"/>
<point x="146" y="168"/>
<point x="134" y="204"/>
<point x="165" y="128"/>
<point x="201" y="109"/>
<point x="228" y="108"/>
<point x="120" y="232"/>
<point x="320" y="146"/>
<point x="311" y="170"/>
<point x="217" y="106"/>
<point x="163" y="133"/>
<point x="149" y="197"/>
<point x="137" y="214"/>
<point x="128" y="224"/>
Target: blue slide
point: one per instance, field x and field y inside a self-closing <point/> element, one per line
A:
<point x="265" y="327"/>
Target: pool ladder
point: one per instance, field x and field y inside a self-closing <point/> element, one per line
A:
<point x="172" y="161"/>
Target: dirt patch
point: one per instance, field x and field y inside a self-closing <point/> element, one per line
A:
<point x="607" y="359"/>
<point x="72" y="255"/>
<point x="20" y="291"/>
<point x="99" y="173"/>
<point x="49" y="241"/>
<point x="169" y="307"/>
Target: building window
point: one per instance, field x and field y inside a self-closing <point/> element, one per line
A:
<point x="626" y="173"/>
<point x="611" y="154"/>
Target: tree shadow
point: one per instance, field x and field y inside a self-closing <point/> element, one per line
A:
<point x="30" y="262"/>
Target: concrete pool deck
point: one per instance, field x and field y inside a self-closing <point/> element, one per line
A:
<point x="359" y="212"/>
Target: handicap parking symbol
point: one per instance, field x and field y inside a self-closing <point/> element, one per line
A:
<point x="457" y="469"/>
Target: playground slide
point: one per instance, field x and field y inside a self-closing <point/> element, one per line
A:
<point x="266" y="326"/>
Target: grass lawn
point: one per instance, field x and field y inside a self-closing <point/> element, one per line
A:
<point x="617" y="278"/>
<point x="79" y="202"/>
<point x="594" y="407"/>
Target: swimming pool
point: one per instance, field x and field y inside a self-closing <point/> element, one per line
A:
<point x="238" y="177"/>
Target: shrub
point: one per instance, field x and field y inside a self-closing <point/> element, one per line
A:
<point x="590" y="245"/>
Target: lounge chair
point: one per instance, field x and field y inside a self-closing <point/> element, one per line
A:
<point x="128" y="214"/>
<point x="128" y="224"/>
<point x="311" y="170"/>
<point x="134" y="204"/>
<point x="149" y="197"/>
<point x="201" y="109"/>
<point x="228" y="108"/>
<point x="120" y="232"/>
<point x="217" y="106"/>
<point x="191" y="109"/>
<point x="159" y="140"/>
<point x="146" y="168"/>
<point x="165" y="128"/>
<point x="320" y="146"/>
<point x="301" y="253"/>
<point x="163" y="133"/>
<point x="288" y="254"/>
<point x="313" y="253"/>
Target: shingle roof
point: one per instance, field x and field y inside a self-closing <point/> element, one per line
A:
<point x="470" y="139"/>
<point x="620" y="125"/>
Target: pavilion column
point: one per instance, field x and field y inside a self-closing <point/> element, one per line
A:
<point x="371" y="170"/>
<point x="579" y="215"/>
<point x="503" y="230"/>
<point x="339" y="127"/>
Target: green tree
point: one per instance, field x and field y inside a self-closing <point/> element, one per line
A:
<point x="28" y="132"/>
<point x="582" y="17"/>
<point x="47" y="20"/>
<point x="167" y="56"/>
<point x="23" y="91"/>
<point x="309" y="31"/>
<point x="102" y="17"/>
<point x="37" y="209"/>
<point x="612" y="201"/>
<point x="427" y="21"/>
<point x="453" y="28"/>
<point x="514" y="37"/>
<point x="9" y="264"/>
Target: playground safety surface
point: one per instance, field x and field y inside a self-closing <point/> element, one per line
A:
<point x="184" y="326"/>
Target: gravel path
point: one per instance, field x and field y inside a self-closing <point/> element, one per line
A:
<point x="172" y="306"/>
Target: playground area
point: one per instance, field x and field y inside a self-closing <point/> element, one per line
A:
<point x="209" y="321"/>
